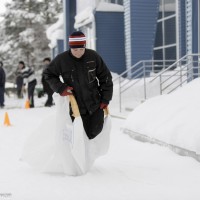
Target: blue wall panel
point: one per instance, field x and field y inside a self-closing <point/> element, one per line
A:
<point x="144" y="14"/>
<point x="110" y="39"/>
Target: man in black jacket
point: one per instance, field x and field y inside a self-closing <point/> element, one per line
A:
<point x="86" y="76"/>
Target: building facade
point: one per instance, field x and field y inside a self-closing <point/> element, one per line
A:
<point x="102" y="21"/>
<point x="125" y="32"/>
<point x="163" y="30"/>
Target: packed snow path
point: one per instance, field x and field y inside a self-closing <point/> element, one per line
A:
<point x="131" y="170"/>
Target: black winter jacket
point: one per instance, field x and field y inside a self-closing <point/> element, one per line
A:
<point x="89" y="76"/>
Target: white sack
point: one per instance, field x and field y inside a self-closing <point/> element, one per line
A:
<point x="59" y="146"/>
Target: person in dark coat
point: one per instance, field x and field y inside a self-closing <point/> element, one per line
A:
<point x="29" y="78"/>
<point x="87" y="77"/>
<point x="2" y="84"/>
<point x="46" y="87"/>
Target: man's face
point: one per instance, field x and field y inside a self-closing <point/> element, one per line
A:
<point x="46" y="62"/>
<point x="21" y="66"/>
<point x="78" y="52"/>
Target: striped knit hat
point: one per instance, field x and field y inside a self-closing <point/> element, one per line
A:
<point x="77" y="40"/>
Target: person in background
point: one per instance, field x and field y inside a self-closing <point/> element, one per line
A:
<point x="2" y="84"/>
<point x="46" y="88"/>
<point x="29" y="78"/>
<point x="87" y="77"/>
<point x="19" y="83"/>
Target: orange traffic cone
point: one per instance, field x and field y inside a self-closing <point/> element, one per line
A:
<point x="27" y="104"/>
<point x="6" y="120"/>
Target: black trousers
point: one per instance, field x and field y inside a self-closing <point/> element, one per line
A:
<point x="19" y="92"/>
<point x="49" y="101"/>
<point x="2" y="90"/>
<point x="31" y="88"/>
<point x="92" y="123"/>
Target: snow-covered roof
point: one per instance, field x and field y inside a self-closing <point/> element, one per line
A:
<point x="87" y="15"/>
<point x="109" y="7"/>
<point x="56" y="31"/>
<point x="84" y="17"/>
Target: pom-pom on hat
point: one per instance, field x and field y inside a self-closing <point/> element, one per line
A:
<point x="77" y="40"/>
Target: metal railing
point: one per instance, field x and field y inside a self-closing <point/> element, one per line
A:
<point x="184" y="70"/>
<point x="169" y="74"/>
<point x="137" y="73"/>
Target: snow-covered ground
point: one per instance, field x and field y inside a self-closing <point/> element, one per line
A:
<point x="130" y="170"/>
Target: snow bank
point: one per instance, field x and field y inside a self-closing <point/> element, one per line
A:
<point x="172" y="119"/>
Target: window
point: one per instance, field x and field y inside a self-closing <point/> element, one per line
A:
<point x="169" y="7"/>
<point x="165" y="47"/>
<point x="170" y="31"/>
<point x="170" y="53"/>
<point x="159" y="35"/>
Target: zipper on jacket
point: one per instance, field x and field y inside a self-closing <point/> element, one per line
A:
<point x="72" y="76"/>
